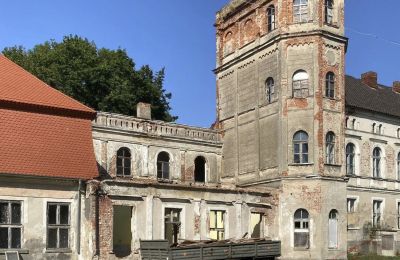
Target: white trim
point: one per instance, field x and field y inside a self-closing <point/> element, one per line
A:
<point x="382" y="209"/>
<point x="357" y="200"/>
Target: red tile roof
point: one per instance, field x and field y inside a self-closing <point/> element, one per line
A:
<point x="43" y="132"/>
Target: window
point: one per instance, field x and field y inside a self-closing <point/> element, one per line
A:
<point x="376" y="163"/>
<point x="350" y="159"/>
<point x="300" y="84"/>
<point x="217" y="225"/>
<point x="333" y="229"/>
<point x="123" y="162"/>
<point x="398" y="166"/>
<point x="380" y="129"/>
<point x="10" y="224"/>
<point x="301" y="228"/>
<point x="270" y="89"/>
<point x="172" y="225"/>
<point x="256" y="225"/>
<point x="373" y="128"/>
<point x="330" y="85"/>
<point x="300" y="147"/>
<point x="58" y="225"/>
<point x="271" y="18"/>
<point x="330" y="148"/>
<point x="122" y="230"/>
<point x="329" y="11"/>
<point x="353" y="124"/>
<point x="163" y="166"/>
<point x="200" y="169"/>
<point x="351" y="205"/>
<point x="398" y="215"/>
<point x="300" y="11"/>
<point x="398" y="133"/>
<point x="376" y="213"/>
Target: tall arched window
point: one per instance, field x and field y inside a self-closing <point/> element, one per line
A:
<point x="300" y="11"/>
<point x="376" y="162"/>
<point x="330" y="148"/>
<point x="398" y="166"/>
<point x="329" y="11"/>
<point x="300" y="84"/>
<point x="270" y="89"/>
<point x="350" y="159"/>
<point x="200" y="169"/>
<point x="374" y="128"/>
<point x="163" y="165"/>
<point x="333" y="229"/>
<point x="301" y="228"/>
<point x="271" y="18"/>
<point x="123" y="162"/>
<point x="330" y="85"/>
<point x="300" y="147"/>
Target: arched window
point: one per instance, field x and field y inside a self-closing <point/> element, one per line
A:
<point x="300" y="147"/>
<point x="330" y="85"/>
<point x="300" y="84"/>
<point x="270" y="89"/>
<point x="301" y="228"/>
<point x="398" y="167"/>
<point x="271" y="18"/>
<point x="163" y="165"/>
<point x="374" y="128"/>
<point x="353" y="124"/>
<point x="380" y="129"/>
<point x="200" y="169"/>
<point x="333" y="229"/>
<point x="376" y="162"/>
<point x="330" y="148"/>
<point x="123" y="162"/>
<point x="398" y="133"/>
<point x="350" y="159"/>
<point x="300" y="11"/>
<point x="329" y="11"/>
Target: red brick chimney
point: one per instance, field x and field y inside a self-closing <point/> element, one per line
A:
<point x="370" y="79"/>
<point x="396" y="87"/>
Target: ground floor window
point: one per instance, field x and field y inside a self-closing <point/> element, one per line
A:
<point x="10" y="224"/>
<point x="333" y="229"/>
<point x="377" y="213"/>
<point x="256" y="225"/>
<point x="122" y="234"/>
<point x="301" y="229"/>
<point x="58" y="225"/>
<point x="172" y="224"/>
<point x="217" y="225"/>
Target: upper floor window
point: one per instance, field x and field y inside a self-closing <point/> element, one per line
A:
<point x="300" y="11"/>
<point x="301" y="228"/>
<point x="329" y="11"/>
<point x="351" y="205"/>
<point x="300" y="147"/>
<point x="398" y="166"/>
<point x="271" y="18"/>
<point x="200" y="169"/>
<point x="380" y="129"/>
<point x="376" y="162"/>
<point x="270" y="89"/>
<point x="123" y="162"/>
<point x="398" y="133"/>
<point x="10" y="224"/>
<point x="350" y="159"/>
<point x="374" y="128"/>
<point x="300" y="84"/>
<point x="376" y="213"/>
<point x="330" y="85"/>
<point x="330" y="148"/>
<point x="353" y="124"/>
<point x="163" y="165"/>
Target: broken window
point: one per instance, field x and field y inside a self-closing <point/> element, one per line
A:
<point x="330" y="148"/>
<point x="122" y="231"/>
<point x="10" y="224"/>
<point x="330" y="85"/>
<point x="172" y="225"/>
<point x="300" y="84"/>
<point x="329" y="11"/>
<point x="200" y="169"/>
<point x="124" y="162"/>
<point x="376" y="162"/>
<point x="271" y="18"/>
<point x="350" y="159"/>
<point x="270" y="89"/>
<point x="300" y="147"/>
<point x="377" y="213"/>
<point x="256" y="225"/>
<point x="351" y="205"/>
<point x="217" y="225"/>
<point x="333" y="229"/>
<point x="300" y="11"/>
<point x="58" y="225"/>
<point x="301" y="229"/>
<point x="163" y="166"/>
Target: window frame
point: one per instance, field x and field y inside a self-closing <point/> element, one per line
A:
<point x="351" y="160"/>
<point x="122" y="169"/>
<point x="171" y="220"/>
<point x="9" y="225"/>
<point x="216" y="228"/>
<point x="329" y="7"/>
<point x="200" y="157"/>
<point x="330" y="80"/>
<point x="301" y="15"/>
<point x="303" y="157"/>
<point x="377" y="163"/>
<point x="271" y="18"/>
<point x="351" y="205"/>
<point x="398" y="165"/>
<point x="304" y="226"/>
<point x="163" y="167"/>
<point x="330" y="148"/>
<point x="300" y="84"/>
<point x="398" y="214"/>
<point x="270" y="90"/>
<point x="377" y="212"/>
<point x="58" y="225"/>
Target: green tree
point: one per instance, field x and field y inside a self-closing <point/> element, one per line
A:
<point x="101" y="78"/>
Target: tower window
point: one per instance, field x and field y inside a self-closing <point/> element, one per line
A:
<point x="330" y="148"/>
<point x="301" y="229"/>
<point x="330" y="85"/>
<point x="300" y="147"/>
<point x="329" y="11"/>
<point x="270" y="89"/>
<point x="300" y="11"/>
<point x="350" y="159"/>
<point x="123" y="162"/>
<point x="163" y="165"/>
<point x="376" y="162"/>
<point x="200" y="169"/>
<point x="271" y="18"/>
<point x="300" y="84"/>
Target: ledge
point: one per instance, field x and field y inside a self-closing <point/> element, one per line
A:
<point x="58" y="250"/>
<point x="19" y="250"/>
<point x="378" y="141"/>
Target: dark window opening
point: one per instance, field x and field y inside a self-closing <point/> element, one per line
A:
<point x="163" y="166"/>
<point x="301" y="229"/>
<point x="376" y="163"/>
<point x="329" y="11"/>
<point x="58" y="225"/>
<point x="330" y="85"/>
<point x="10" y="224"/>
<point x="124" y="162"/>
<point x="270" y="89"/>
<point x="300" y="147"/>
<point x="350" y="159"/>
<point x="122" y="234"/>
<point x="200" y="169"/>
<point x="330" y="148"/>
<point x="172" y="225"/>
<point x="271" y="18"/>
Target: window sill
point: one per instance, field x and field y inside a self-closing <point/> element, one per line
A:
<point x="333" y="165"/>
<point x="301" y="164"/>
<point x="19" y="250"/>
<point x="58" y="250"/>
<point x="301" y="249"/>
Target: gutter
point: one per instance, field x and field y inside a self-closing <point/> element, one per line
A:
<point x="78" y="236"/>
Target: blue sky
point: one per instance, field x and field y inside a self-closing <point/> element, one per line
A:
<point x="179" y="35"/>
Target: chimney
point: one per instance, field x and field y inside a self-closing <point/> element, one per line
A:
<point x="143" y="111"/>
<point x="396" y="87"/>
<point x="370" y="79"/>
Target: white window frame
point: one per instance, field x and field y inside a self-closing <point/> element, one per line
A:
<point x="302" y="230"/>
<point x="378" y="173"/>
<point x="355" y="205"/>
<point x="9" y="226"/>
<point x="380" y="213"/>
<point x="330" y="148"/>
<point x="300" y="84"/>
<point x="303" y="13"/>
<point x="226" y="220"/>
<point x="182" y="229"/>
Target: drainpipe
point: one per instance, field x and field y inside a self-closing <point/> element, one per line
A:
<point x="78" y="233"/>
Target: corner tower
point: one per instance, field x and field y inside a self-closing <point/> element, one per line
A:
<point x="280" y="93"/>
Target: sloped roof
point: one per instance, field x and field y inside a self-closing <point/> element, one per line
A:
<point x="382" y="100"/>
<point x="43" y="132"/>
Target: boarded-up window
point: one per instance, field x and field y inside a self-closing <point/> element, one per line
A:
<point x="172" y="225"/>
<point x="122" y="234"/>
<point x="333" y="229"/>
<point x="217" y="225"/>
<point x="387" y="242"/>
<point x="256" y="225"/>
<point x="301" y="229"/>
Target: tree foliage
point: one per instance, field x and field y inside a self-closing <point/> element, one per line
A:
<point x="101" y="78"/>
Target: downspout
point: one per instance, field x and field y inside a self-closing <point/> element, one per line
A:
<point x="78" y="236"/>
